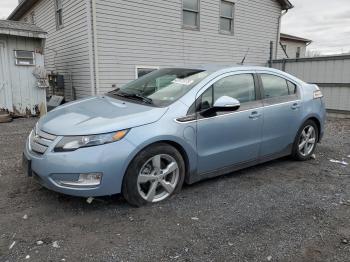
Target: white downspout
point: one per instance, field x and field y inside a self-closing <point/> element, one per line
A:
<point x="91" y="44"/>
<point x="279" y="32"/>
<point x="96" y="63"/>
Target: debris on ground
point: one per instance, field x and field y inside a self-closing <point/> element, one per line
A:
<point x="269" y="258"/>
<point x="25" y="217"/>
<point x="12" y="245"/>
<point x="345" y="241"/>
<point x="256" y="202"/>
<point x="339" y="162"/>
<point x="27" y="256"/>
<point x="55" y="244"/>
<point x="194" y="218"/>
<point x="313" y="156"/>
<point x="175" y="257"/>
<point x="89" y="200"/>
<point x="5" y="117"/>
<point x="39" y="242"/>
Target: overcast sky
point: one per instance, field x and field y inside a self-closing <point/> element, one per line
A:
<point x="326" y="22"/>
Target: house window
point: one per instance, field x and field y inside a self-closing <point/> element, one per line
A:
<point x="226" y="16"/>
<point x="144" y="70"/>
<point x="24" y="58"/>
<point x="190" y="13"/>
<point x="298" y="52"/>
<point x="32" y="17"/>
<point x="58" y="13"/>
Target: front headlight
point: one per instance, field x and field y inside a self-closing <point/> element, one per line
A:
<point x="71" y="143"/>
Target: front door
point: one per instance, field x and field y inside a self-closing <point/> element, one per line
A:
<point x="226" y="139"/>
<point x="282" y="114"/>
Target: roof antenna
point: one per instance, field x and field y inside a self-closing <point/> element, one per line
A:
<point x="245" y="56"/>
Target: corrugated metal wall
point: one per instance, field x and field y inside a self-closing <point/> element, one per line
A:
<point x="330" y="73"/>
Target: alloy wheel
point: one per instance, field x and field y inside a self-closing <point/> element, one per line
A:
<point x="158" y="178"/>
<point x="307" y="140"/>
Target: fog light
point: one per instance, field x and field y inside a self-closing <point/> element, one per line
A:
<point x="85" y="180"/>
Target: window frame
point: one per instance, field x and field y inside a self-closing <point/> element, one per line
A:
<point x="59" y="14"/>
<point x="17" y="58"/>
<point x="197" y="12"/>
<point x="221" y="31"/>
<point x="144" y="67"/>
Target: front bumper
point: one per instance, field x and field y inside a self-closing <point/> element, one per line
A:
<point x="110" y="159"/>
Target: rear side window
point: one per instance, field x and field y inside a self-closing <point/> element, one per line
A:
<point x="292" y="88"/>
<point x="274" y="86"/>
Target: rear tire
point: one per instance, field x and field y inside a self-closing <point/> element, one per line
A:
<point x="306" y="141"/>
<point x="156" y="173"/>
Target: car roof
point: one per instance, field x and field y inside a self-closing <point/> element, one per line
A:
<point x="215" y="68"/>
<point x="221" y="69"/>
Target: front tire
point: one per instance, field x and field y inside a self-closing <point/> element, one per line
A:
<point x="156" y="173"/>
<point x="305" y="141"/>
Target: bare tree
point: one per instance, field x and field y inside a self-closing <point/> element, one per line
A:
<point x="313" y="53"/>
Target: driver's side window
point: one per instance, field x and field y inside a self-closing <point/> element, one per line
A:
<point x="240" y="87"/>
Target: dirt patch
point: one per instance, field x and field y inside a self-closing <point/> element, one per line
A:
<point x="279" y="211"/>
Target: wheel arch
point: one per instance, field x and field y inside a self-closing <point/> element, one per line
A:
<point x="318" y="124"/>
<point x="183" y="150"/>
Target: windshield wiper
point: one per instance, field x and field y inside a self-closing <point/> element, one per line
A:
<point x="114" y="92"/>
<point x="144" y="99"/>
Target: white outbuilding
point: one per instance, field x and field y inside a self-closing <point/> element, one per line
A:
<point x="22" y="91"/>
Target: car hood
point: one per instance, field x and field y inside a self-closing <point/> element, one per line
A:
<point x="97" y="115"/>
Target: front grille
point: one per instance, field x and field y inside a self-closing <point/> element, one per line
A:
<point x="39" y="141"/>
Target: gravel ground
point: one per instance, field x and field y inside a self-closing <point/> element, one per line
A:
<point x="279" y="211"/>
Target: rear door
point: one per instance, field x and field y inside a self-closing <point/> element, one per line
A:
<point x="282" y="114"/>
<point x="227" y="138"/>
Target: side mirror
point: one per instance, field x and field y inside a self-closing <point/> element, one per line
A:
<point x="226" y="103"/>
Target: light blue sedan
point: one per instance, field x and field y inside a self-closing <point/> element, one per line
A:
<point x="174" y="125"/>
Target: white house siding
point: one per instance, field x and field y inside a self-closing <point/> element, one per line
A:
<point x="67" y="49"/>
<point x="134" y="33"/>
<point x="19" y="93"/>
<point x="292" y="47"/>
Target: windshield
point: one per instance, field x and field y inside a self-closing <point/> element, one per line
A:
<point x="161" y="87"/>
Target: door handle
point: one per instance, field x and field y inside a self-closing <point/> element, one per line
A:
<point x="254" y="115"/>
<point x="295" y="106"/>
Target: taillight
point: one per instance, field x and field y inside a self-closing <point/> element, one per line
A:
<point x="317" y="93"/>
